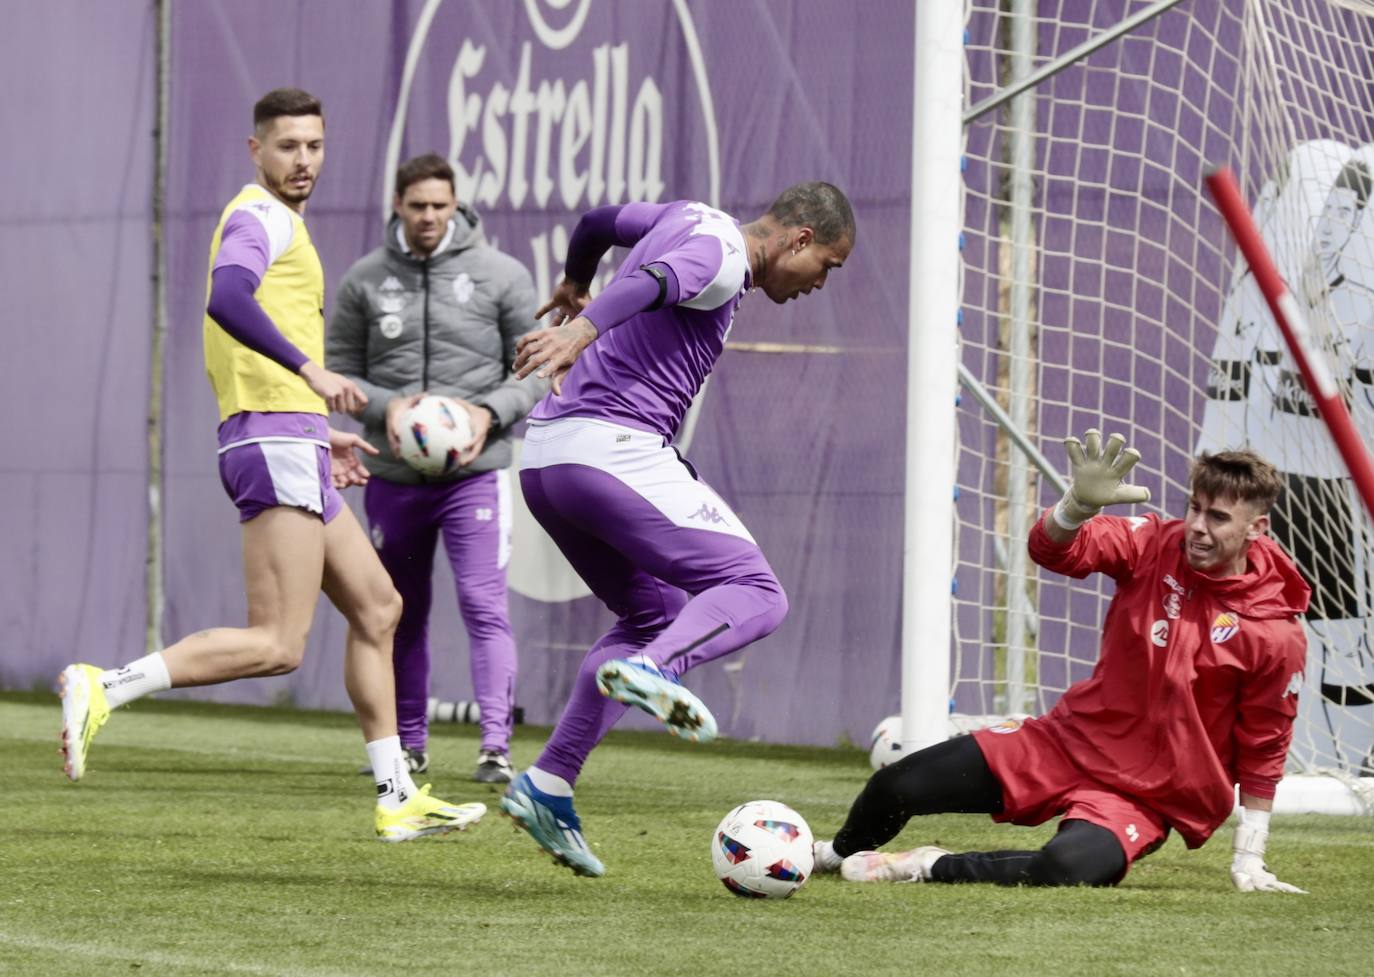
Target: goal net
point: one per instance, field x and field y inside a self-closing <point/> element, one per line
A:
<point x="1101" y="290"/>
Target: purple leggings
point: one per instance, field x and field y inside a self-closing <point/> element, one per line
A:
<point x="473" y="515"/>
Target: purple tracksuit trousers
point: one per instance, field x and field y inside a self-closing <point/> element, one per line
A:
<point x="474" y="517"/>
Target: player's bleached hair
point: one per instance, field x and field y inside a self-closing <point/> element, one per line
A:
<point x="430" y="166"/>
<point x="822" y="207"/>
<point x="1240" y="475"/>
<point x="285" y="101"/>
<point x="1354" y="175"/>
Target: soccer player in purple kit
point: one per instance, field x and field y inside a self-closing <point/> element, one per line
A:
<point x="281" y="464"/>
<point x="652" y="541"/>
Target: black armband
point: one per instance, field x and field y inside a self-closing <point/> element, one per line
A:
<point x="662" y="279"/>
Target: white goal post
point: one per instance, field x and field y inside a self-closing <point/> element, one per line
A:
<point x="1090" y="280"/>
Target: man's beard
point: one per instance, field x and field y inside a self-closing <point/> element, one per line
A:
<point x="287" y="192"/>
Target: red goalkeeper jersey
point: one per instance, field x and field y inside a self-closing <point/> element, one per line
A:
<point x="1197" y="682"/>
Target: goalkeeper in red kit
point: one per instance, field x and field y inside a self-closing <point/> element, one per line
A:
<point x="1194" y="693"/>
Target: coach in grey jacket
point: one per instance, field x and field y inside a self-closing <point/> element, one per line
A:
<point x="438" y="310"/>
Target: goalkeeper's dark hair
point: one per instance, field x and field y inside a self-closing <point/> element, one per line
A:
<point x="822" y="207"/>
<point x="1355" y="176"/>
<point x="285" y="101"/>
<point x="1240" y="475"/>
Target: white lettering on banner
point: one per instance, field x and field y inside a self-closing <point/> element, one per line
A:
<point x="517" y="147"/>
<point x="544" y="127"/>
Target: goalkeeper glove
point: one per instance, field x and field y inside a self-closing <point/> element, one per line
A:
<point x="1248" y="871"/>
<point x="1097" y="476"/>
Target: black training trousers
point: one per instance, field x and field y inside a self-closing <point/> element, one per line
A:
<point x="953" y="778"/>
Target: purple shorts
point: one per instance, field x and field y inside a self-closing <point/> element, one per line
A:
<point x="259" y="475"/>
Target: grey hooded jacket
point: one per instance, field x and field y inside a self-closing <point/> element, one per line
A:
<point x="446" y="325"/>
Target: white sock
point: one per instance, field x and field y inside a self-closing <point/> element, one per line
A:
<point x="135" y="680"/>
<point x="394" y="786"/>
<point x="549" y="783"/>
<point x="827" y="859"/>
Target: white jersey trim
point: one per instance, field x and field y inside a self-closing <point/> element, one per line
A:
<point x="275" y="218"/>
<point x="733" y="266"/>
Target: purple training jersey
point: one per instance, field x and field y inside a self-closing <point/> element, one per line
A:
<point x="644" y="372"/>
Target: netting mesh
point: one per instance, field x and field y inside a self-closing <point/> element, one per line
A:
<point x="1100" y="290"/>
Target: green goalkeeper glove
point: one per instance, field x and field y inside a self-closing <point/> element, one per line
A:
<point x="1097" y="476"/>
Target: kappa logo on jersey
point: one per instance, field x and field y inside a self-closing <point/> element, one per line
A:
<point x="1173" y="604"/>
<point x="391" y="299"/>
<point x="1136" y="522"/>
<point x="1294" y="685"/>
<point x="1005" y="727"/>
<point x="1159" y="633"/>
<point x="707" y="513"/>
<point x="463" y="287"/>
<point x="1225" y="627"/>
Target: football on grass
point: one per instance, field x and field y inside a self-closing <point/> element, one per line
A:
<point x="762" y="850"/>
<point x="885" y="746"/>
<point x="433" y="433"/>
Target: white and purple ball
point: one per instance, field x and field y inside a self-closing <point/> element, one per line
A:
<point x="433" y="434"/>
<point x="762" y="850"/>
<point x="885" y="746"/>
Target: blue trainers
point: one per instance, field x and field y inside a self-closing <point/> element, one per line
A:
<point x="638" y="682"/>
<point x="552" y="822"/>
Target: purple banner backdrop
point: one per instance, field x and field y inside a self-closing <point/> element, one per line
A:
<point x="548" y="110"/>
<point x="76" y="254"/>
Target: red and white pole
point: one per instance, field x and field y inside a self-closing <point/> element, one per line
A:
<point x="1316" y="371"/>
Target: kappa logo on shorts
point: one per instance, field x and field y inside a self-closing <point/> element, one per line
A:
<point x="1005" y="727"/>
<point x="1225" y="627"/>
<point x="707" y="513"/>
<point x="377" y="538"/>
<point x="1132" y="832"/>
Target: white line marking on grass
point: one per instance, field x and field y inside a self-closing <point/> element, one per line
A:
<point x="195" y="963"/>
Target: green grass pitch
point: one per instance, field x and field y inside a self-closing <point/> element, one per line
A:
<point x="212" y="840"/>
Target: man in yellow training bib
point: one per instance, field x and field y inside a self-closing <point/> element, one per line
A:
<point x="282" y="465"/>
